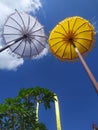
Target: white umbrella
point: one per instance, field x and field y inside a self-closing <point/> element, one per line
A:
<point x="23" y="35"/>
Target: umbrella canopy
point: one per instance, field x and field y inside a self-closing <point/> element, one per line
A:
<point x="24" y="35"/>
<point x="72" y="37"/>
<point x="71" y="32"/>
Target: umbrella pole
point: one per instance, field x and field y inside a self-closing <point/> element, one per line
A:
<point x="10" y="44"/>
<point x="94" y="82"/>
<point x="5" y="47"/>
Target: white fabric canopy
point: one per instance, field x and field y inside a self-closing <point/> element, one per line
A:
<point x="25" y="35"/>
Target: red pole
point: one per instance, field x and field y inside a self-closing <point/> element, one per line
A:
<point x="93" y="80"/>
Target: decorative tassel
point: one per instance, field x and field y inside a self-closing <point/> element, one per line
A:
<point x="58" y="122"/>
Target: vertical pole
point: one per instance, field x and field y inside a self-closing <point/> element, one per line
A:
<point x="93" y="80"/>
<point x="37" y="108"/>
<point x="58" y="122"/>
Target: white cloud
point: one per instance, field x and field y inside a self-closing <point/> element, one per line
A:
<point x="9" y="62"/>
<point x="5" y="10"/>
<point x="24" y="5"/>
<point x="43" y="53"/>
<point x="7" y="7"/>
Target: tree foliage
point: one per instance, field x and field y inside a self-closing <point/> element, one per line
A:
<point x="19" y="113"/>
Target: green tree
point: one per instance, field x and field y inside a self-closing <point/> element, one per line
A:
<point x="19" y="113"/>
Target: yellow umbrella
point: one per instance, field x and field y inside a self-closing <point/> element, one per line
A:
<point x="72" y="37"/>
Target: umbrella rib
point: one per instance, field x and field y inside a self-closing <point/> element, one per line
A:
<point x="82" y="45"/>
<point x="60" y="33"/>
<point x="55" y="38"/>
<point x="62" y="27"/>
<point x="57" y="43"/>
<point x="23" y="49"/>
<point x="11" y="34"/>
<point x="13" y="27"/>
<point x="83" y="32"/>
<point x="71" y="51"/>
<point x="35" y="47"/>
<point x="29" y="41"/>
<point x="64" y="50"/>
<point x="68" y="26"/>
<point x="39" y="36"/>
<point x="74" y="23"/>
<point x="37" y="29"/>
<point x="11" y="41"/>
<point x="83" y="39"/>
<point x="17" y="23"/>
<point x="30" y="48"/>
<point x="39" y="42"/>
<point x="28" y="23"/>
<point x="18" y="45"/>
<point x="33" y="25"/>
<point x="21" y="18"/>
<point x="59" y="48"/>
<point x="79" y="27"/>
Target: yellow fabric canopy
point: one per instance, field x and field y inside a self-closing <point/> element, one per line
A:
<point x="72" y="37"/>
<point x="70" y="33"/>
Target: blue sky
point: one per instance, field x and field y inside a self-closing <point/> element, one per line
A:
<point x="77" y="97"/>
